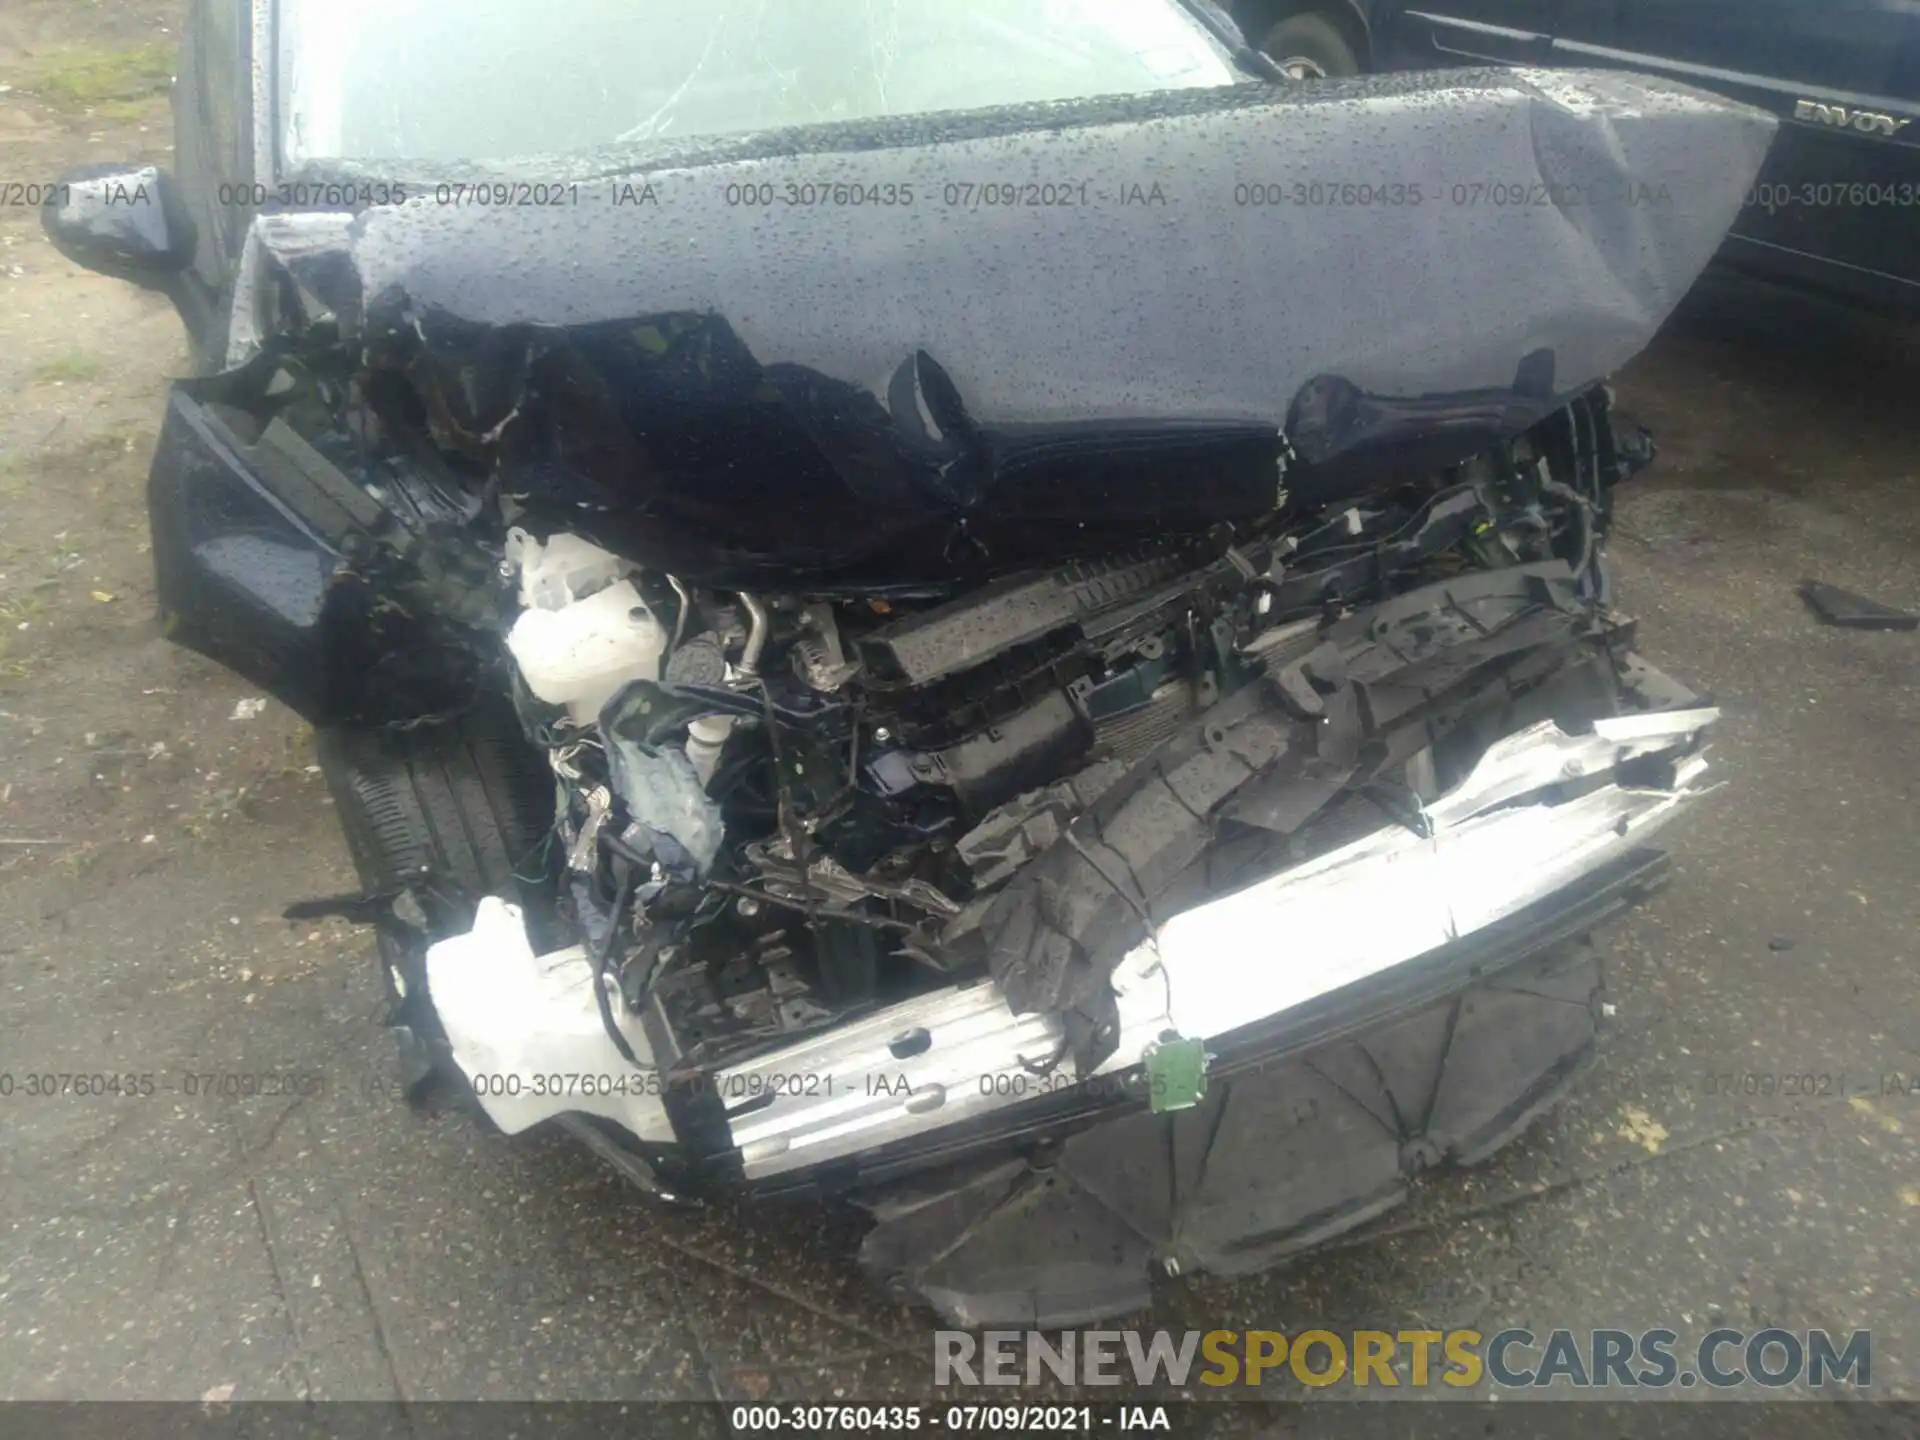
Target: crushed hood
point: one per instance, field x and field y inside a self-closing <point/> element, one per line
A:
<point x="1090" y="320"/>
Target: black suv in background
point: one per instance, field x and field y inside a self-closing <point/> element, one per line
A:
<point x="1838" y="204"/>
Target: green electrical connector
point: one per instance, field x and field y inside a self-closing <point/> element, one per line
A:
<point x="1176" y="1074"/>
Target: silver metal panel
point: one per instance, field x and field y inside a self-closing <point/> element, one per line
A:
<point x="1381" y="901"/>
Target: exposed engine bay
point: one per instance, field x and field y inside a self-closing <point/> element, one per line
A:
<point x="782" y="811"/>
<point x="850" y="872"/>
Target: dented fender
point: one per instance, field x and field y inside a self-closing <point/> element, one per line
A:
<point x="272" y="562"/>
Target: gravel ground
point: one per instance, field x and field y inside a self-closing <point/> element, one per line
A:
<point x="152" y="824"/>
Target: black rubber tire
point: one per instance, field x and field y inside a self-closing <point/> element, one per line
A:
<point x="1273" y="1162"/>
<point x="469" y="803"/>
<point x="469" y="800"/>
<point x="1312" y="38"/>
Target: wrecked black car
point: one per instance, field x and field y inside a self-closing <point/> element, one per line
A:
<point x="1006" y="620"/>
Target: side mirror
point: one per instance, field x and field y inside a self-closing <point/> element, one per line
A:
<point x="125" y="221"/>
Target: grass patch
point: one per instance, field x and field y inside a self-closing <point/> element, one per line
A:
<point x="124" y="112"/>
<point x="65" y="368"/>
<point x="12" y="613"/>
<point x="89" y="79"/>
<point x="87" y="456"/>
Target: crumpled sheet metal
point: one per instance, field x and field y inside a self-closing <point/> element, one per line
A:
<point x="311" y="248"/>
<point x="1350" y="915"/>
<point x="1395" y="895"/>
<point x="951" y="359"/>
<point x="1198" y="306"/>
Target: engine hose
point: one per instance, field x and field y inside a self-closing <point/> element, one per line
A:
<point x="756" y="635"/>
<point x="622" y="902"/>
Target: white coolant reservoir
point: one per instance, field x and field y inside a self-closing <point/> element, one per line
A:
<point x="556" y="572"/>
<point x="585" y="632"/>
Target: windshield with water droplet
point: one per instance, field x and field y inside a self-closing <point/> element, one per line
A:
<point x="486" y="80"/>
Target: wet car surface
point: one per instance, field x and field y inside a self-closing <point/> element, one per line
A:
<point x="309" y="1244"/>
